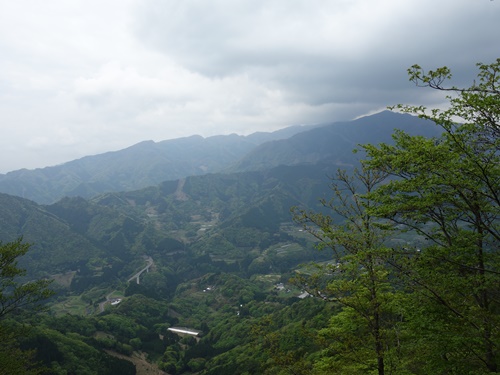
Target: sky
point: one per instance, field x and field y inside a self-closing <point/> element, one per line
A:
<point x="83" y="77"/>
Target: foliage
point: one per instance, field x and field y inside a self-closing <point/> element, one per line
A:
<point x="68" y="353"/>
<point x="13" y="295"/>
<point x="359" y="278"/>
<point x="14" y="360"/>
<point x="448" y="189"/>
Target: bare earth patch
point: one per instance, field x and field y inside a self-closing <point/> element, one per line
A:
<point x="64" y="279"/>
<point x="143" y="367"/>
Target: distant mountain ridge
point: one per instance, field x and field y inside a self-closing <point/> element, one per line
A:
<point x="149" y="163"/>
<point x="334" y="143"/>
<point x="143" y="164"/>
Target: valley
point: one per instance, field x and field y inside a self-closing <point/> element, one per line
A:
<point x="252" y="255"/>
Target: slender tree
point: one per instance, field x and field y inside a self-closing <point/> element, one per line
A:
<point x="361" y="336"/>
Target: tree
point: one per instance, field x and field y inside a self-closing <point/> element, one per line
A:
<point x="14" y="296"/>
<point x="447" y="189"/>
<point x="13" y="360"/>
<point x="359" y="278"/>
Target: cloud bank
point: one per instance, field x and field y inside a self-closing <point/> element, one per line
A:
<point x="85" y="77"/>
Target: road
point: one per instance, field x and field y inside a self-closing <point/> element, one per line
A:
<point x="108" y="299"/>
<point x="137" y="276"/>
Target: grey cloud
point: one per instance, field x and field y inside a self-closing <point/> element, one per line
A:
<point x="292" y="46"/>
<point x="84" y="77"/>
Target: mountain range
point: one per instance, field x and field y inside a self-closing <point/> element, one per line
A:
<point x="148" y="163"/>
<point x="219" y="214"/>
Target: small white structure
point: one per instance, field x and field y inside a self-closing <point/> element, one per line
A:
<point x="304" y="295"/>
<point x="184" y="331"/>
<point x="115" y="301"/>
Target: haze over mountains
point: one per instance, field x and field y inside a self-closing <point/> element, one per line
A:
<point x="148" y="163"/>
<point x="143" y="164"/>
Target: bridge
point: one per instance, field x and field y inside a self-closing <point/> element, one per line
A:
<point x="137" y="276"/>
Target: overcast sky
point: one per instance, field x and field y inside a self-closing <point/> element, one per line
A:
<point x="82" y="77"/>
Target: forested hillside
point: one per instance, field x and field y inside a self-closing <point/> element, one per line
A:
<point x="388" y="265"/>
<point x="143" y="164"/>
<point x="334" y="142"/>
